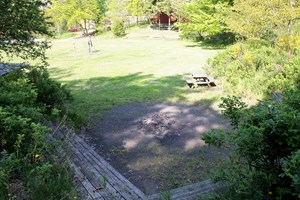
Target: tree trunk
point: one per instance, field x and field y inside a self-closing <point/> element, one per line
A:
<point x="84" y="28"/>
<point x="159" y="22"/>
<point x="169" y="25"/>
<point x="58" y="29"/>
<point x="292" y="3"/>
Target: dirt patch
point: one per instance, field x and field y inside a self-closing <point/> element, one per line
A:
<point x="158" y="146"/>
<point x="159" y="126"/>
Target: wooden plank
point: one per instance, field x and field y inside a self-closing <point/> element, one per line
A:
<point x="95" y="177"/>
<point x="120" y="186"/>
<point x="111" y="185"/>
<point x="199" y="75"/>
<point x="189" y="192"/>
<point x="85" y="184"/>
<point x="211" y="81"/>
<point x="192" y="193"/>
<point x="189" y="82"/>
<point x="109" y="169"/>
<point x="202" y="83"/>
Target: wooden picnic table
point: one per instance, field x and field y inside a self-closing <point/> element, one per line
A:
<point x="200" y="78"/>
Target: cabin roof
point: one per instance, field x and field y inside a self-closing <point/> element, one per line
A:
<point x="8" y="67"/>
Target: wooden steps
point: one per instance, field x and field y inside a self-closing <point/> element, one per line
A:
<point x="98" y="178"/>
<point x="95" y="179"/>
<point x="189" y="192"/>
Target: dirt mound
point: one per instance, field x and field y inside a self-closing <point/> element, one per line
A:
<point x="159" y="125"/>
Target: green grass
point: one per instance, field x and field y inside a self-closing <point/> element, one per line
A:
<point x="145" y="65"/>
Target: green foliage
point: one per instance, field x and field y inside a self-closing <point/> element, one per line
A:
<point x="76" y="12"/>
<point x="292" y="170"/>
<point x="51" y="181"/>
<point x="28" y="99"/>
<point x="7" y="164"/>
<point x="232" y="107"/>
<point x="266" y="157"/>
<point x="49" y="92"/>
<point x="214" y="137"/>
<point x="135" y="7"/>
<point x="204" y="18"/>
<point x="116" y="10"/>
<point x="254" y="69"/>
<point x="261" y="19"/>
<point x="20" y="22"/>
<point x="58" y="15"/>
<point x="118" y="28"/>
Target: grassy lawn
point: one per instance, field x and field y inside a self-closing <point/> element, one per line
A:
<point x="146" y="65"/>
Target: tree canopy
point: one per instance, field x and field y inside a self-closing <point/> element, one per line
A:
<point x="77" y="12"/>
<point x="21" y="21"/>
<point x="257" y="19"/>
<point x="205" y="17"/>
<point x="135" y="7"/>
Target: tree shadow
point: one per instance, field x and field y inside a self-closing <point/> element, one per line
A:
<point x="99" y="94"/>
<point x="220" y="41"/>
<point x="60" y="73"/>
<point x="151" y="161"/>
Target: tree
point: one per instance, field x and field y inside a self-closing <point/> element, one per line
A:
<point x="57" y="12"/>
<point x="20" y="22"/>
<point x="116" y="10"/>
<point x="257" y="19"/>
<point x="204" y="17"/>
<point x="265" y="160"/>
<point x="149" y="8"/>
<point x="81" y="11"/>
<point x="135" y="7"/>
<point x="29" y="99"/>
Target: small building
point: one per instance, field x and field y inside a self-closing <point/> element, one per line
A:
<point x="163" y="18"/>
<point x="8" y="67"/>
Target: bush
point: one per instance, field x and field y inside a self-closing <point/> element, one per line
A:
<point x="28" y="100"/>
<point x="253" y="70"/>
<point x="118" y="28"/>
<point x="265" y="162"/>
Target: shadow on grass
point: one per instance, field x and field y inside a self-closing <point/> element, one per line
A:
<point x="150" y="161"/>
<point x="213" y="42"/>
<point x="209" y="45"/>
<point x="96" y="95"/>
<point x="60" y="73"/>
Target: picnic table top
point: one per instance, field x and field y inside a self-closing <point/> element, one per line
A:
<point x="199" y="75"/>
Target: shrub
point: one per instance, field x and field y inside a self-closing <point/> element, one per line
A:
<point x="118" y="28"/>
<point x="253" y="69"/>
<point x="28" y="100"/>
<point x="265" y="162"/>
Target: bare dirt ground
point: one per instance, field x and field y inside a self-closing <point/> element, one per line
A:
<point x="158" y="146"/>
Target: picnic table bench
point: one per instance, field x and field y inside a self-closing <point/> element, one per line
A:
<point x="199" y="78"/>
